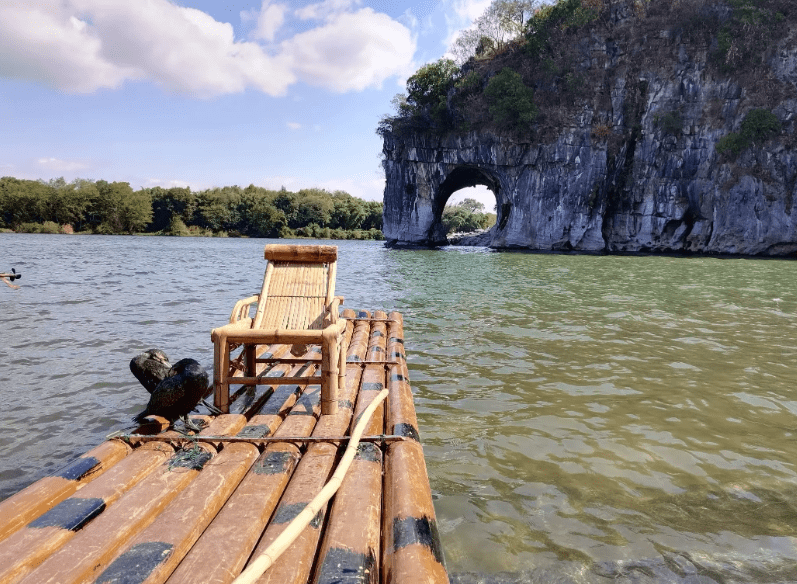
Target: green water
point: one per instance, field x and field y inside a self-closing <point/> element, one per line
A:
<point x="584" y="418"/>
<point x="582" y="414"/>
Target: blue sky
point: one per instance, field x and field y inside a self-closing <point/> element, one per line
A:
<point x="211" y="93"/>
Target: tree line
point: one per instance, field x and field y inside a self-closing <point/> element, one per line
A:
<point x="88" y="206"/>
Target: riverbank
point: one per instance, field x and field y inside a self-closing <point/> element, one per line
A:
<point x="52" y="228"/>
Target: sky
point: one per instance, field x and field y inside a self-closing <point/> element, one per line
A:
<point x="210" y="93"/>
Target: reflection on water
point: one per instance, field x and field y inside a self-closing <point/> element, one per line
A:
<point x="586" y="419"/>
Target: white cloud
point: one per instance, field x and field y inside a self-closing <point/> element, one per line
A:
<point x="81" y="46"/>
<point x="294" y="125"/>
<point x="370" y="187"/>
<point x="326" y="9"/>
<point x="460" y="15"/>
<point x="352" y="51"/>
<point x="168" y="184"/>
<point x="58" y="165"/>
<point x="270" y="19"/>
<point x="470" y="10"/>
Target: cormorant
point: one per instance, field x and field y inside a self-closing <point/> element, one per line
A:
<point x="178" y="394"/>
<point x="150" y="368"/>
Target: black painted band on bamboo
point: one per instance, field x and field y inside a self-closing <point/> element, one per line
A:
<point x="353" y="359"/>
<point x="397" y="377"/>
<point x="77" y="469"/>
<point x="372" y="386"/>
<point x="343" y="565"/>
<point x="377" y="349"/>
<point x="397" y="355"/>
<point x="395" y="340"/>
<point x="369" y="452"/>
<point x="377" y="334"/>
<point x="345" y="403"/>
<point x="255" y="431"/>
<point x="274" y="404"/>
<point x="362" y="314"/>
<point x="305" y="404"/>
<point x="406" y="430"/>
<point x="287" y="512"/>
<point x="418" y="530"/>
<point x="136" y="564"/>
<point x="271" y="463"/>
<point x="71" y="514"/>
<point x="194" y="458"/>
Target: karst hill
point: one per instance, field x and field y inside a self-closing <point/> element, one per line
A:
<point x="610" y="126"/>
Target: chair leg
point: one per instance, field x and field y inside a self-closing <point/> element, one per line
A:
<point x="221" y="369"/>
<point x="251" y="365"/>
<point x="329" y="375"/>
<point x="342" y="362"/>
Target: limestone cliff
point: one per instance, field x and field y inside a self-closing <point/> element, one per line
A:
<point x="631" y="161"/>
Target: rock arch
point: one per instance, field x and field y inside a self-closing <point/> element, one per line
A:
<point x="539" y="205"/>
<point x="461" y="177"/>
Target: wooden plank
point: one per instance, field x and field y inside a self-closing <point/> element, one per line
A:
<point x="30" y="546"/>
<point x="29" y="503"/>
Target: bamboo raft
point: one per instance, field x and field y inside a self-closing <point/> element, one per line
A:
<point x="156" y="506"/>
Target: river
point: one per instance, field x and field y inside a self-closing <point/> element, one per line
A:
<point x="584" y="418"/>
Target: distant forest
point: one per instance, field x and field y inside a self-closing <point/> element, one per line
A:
<point x="88" y="206"/>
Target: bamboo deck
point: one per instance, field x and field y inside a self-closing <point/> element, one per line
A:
<point x="158" y="509"/>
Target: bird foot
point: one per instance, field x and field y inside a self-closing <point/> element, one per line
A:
<point x="195" y="427"/>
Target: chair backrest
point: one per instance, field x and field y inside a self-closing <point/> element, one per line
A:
<point x="298" y="285"/>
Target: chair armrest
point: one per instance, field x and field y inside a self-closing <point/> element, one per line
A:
<point x="241" y="308"/>
<point x="331" y="316"/>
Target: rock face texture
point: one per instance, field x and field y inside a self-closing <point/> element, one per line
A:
<point x="638" y="171"/>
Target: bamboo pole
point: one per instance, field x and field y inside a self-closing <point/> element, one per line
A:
<point x="47" y="492"/>
<point x="31" y="545"/>
<point x="295" y="527"/>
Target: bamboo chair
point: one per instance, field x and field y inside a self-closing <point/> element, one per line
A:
<point x="297" y="306"/>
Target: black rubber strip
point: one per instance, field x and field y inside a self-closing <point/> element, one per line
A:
<point x="71" y="514"/>
<point x="287" y="512"/>
<point x="79" y="468"/>
<point x="256" y="431"/>
<point x="343" y="566"/>
<point x="271" y="463"/>
<point x="417" y="530"/>
<point x="407" y="430"/>
<point x="136" y="564"/>
<point x="369" y="452"/>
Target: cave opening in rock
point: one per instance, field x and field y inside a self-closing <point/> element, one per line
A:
<point x="469" y="187"/>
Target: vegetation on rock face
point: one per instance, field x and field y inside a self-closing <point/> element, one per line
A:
<point x="758" y="125"/>
<point x="529" y="69"/>
<point x="111" y="208"/>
